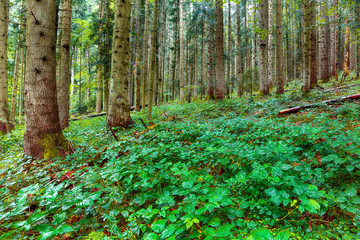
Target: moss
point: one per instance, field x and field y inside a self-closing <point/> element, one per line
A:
<point x="53" y="145"/>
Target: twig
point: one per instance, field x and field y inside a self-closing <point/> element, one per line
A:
<point x="113" y="133"/>
<point x="142" y="121"/>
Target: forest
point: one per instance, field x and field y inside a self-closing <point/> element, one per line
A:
<point x="174" y="119"/>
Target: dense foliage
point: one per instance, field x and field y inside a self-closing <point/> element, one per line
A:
<point x="208" y="170"/>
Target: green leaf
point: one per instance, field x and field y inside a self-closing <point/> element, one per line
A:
<point x="283" y="235"/>
<point x="188" y="184"/>
<point x="168" y="231"/>
<point x="151" y="236"/>
<point x="261" y="234"/>
<point x="64" y="229"/>
<point x="224" y="231"/>
<point x="215" y="222"/>
<point x="351" y="192"/>
<point x="158" y="226"/>
<point x="44" y="228"/>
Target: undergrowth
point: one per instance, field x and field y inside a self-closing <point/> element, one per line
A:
<point x="205" y="170"/>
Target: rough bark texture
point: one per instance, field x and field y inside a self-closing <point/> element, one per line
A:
<point x="43" y="136"/>
<point x="107" y="69"/>
<point x="220" y="68"/>
<point x="145" y="56"/>
<point x="263" y="46"/>
<point x="210" y="80"/>
<point x="99" y="74"/>
<point x="119" y="111"/>
<point x="307" y="46"/>
<point x="324" y="46"/>
<point x="137" y="64"/>
<point x="21" y="92"/>
<point x="4" y="15"/>
<point x="270" y="44"/>
<point x="64" y="87"/>
<point x="313" y="54"/>
<point x="229" y="44"/>
<point x="334" y="39"/>
<point x="15" y="85"/>
<point x="238" y="55"/>
<point x="279" y="49"/>
<point x="153" y="59"/>
<point x="181" y="58"/>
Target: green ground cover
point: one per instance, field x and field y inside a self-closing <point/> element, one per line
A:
<point x="206" y="170"/>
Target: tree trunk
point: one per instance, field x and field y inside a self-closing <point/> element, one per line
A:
<point x="203" y="63"/>
<point x="145" y="57"/>
<point x="324" y="45"/>
<point x="21" y="92"/>
<point x="334" y="36"/>
<point x="153" y="69"/>
<point x="15" y="85"/>
<point x="210" y="80"/>
<point x="137" y="64"/>
<point x="220" y="68"/>
<point x="181" y="59"/>
<point x="279" y="49"/>
<point x="263" y="44"/>
<point x="238" y="55"/>
<point x="229" y="72"/>
<point x="43" y="136"/>
<point x="4" y="115"/>
<point x="107" y="68"/>
<point x="99" y="74"/>
<point x="313" y="56"/>
<point x="65" y="66"/>
<point x="307" y="46"/>
<point x="119" y="110"/>
<point x="270" y="44"/>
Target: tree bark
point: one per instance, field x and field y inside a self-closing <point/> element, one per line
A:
<point x="263" y="45"/>
<point x="65" y="66"/>
<point x="15" y="85"/>
<point x="153" y="69"/>
<point x="21" y="92"/>
<point x="43" y="136"/>
<point x="137" y="64"/>
<point x="119" y="112"/>
<point x="107" y="69"/>
<point x="181" y="59"/>
<point x="99" y="75"/>
<point x="307" y="46"/>
<point x="220" y="67"/>
<point x="279" y="49"/>
<point x="334" y="47"/>
<point x="270" y="44"/>
<point x="324" y="45"/>
<point x="4" y="115"/>
<point x="238" y="49"/>
<point x="313" y="55"/>
<point x="145" y="57"/>
<point x="229" y="72"/>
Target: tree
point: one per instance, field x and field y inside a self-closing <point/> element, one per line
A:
<point x="313" y="54"/>
<point x="99" y="75"/>
<point x="65" y="65"/>
<point x="220" y="67"/>
<point x="263" y="46"/>
<point x="324" y="45"/>
<point x="4" y="115"/>
<point x="153" y="69"/>
<point x="181" y="60"/>
<point x="270" y="44"/>
<point x="307" y="46"/>
<point x="43" y="136"/>
<point x="119" y="109"/>
<point x="145" y="56"/>
<point x="279" y="48"/>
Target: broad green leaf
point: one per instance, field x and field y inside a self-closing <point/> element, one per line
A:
<point x="283" y="235"/>
<point x="215" y="222"/>
<point x="351" y="192"/>
<point x="261" y="234"/>
<point x="151" y="236"/>
<point x="64" y="229"/>
<point x="158" y="226"/>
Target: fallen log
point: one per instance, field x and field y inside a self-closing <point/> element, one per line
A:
<point x="297" y="109"/>
<point x="346" y="86"/>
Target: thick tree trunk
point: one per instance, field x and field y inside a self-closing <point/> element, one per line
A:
<point x="99" y="75"/>
<point x="238" y="48"/>
<point x="43" y="136"/>
<point x="279" y="49"/>
<point x="203" y="63"/>
<point x="4" y="16"/>
<point x="21" y="92"/>
<point x="229" y="72"/>
<point x="65" y="66"/>
<point x="119" y="112"/>
<point x="220" y="68"/>
<point x="263" y="46"/>
<point x="153" y="69"/>
<point x="210" y="79"/>
<point x="334" y="45"/>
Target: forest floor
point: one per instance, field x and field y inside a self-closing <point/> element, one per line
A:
<point x="232" y="169"/>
